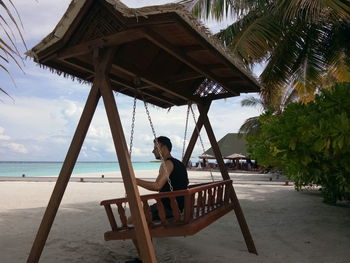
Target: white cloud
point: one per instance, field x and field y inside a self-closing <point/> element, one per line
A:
<point x="41" y="123"/>
<point x="7" y="145"/>
<point x="16" y="147"/>
<point x="44" y="10"/>
<point x="51" y="12"/>
<point x="3" y="137"/>
<point x="71" y="110"/>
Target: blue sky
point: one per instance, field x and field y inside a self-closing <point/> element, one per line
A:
<point x="39" y="124"/>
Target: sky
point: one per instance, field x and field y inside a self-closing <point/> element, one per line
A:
<point x="38" y="122"/>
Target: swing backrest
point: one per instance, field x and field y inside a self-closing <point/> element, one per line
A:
<point x="204" y="203"/>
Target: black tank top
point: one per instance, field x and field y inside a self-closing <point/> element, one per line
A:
<point x="179" y="181"/>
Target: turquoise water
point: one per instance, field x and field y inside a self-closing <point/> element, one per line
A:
<point x="15" y="169"/>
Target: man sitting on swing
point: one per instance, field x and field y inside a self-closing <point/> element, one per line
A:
<point x="172" y="176"/>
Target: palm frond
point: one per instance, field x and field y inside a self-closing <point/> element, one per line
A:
<point x="298" y="55"/>
<point x="303" y="41"/>
<point x="4" y="91"/>
<point x="8" y="11"/>
<point x="291" y="95"/>
<point x="9" y="33"/>
<point x="220" y="9"/>
<point x="251" y="102"/>
<point x="8" y="47"/>
<point x="251" y="126"/>
<point x="337" y="50"/>
<point x="252" y="37"/>
<point x="311" y="11"/>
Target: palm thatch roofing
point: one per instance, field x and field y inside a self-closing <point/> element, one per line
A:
<point x="230" y="144"/>
<point x="164" y="55"/>
<point x="206" y="156"/>
<point x="235" y="156"/>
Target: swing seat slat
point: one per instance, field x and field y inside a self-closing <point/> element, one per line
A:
<point x="204" y="204"/>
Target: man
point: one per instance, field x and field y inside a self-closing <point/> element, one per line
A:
<point x="170" y="168"/>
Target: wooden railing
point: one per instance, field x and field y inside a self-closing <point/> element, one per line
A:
<point x="200" y="200"/>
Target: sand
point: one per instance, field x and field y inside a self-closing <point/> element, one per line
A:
<point x="286" y="225"/>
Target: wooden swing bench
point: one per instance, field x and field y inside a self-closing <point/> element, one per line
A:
<point x="203" y="204"/>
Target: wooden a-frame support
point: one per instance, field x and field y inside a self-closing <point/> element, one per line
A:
<point x="204" y="120"/>
<point x="101" y="86"/>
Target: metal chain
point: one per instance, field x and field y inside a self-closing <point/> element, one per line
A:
<point x="200" y="139"/>
<point x="185" y="135"/>
<point x="131" y="136"/>
<point x="132" y="126"/>
<point x="157" y="144"/>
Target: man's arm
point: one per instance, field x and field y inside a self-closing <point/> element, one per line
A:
<point x="161" y="179"/>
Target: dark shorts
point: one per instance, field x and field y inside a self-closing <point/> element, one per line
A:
<point x="154" y="212"/>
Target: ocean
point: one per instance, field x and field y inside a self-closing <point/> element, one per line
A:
<point x="17" y="169"/>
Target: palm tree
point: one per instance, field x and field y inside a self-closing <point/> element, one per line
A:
<point x="9" y="52"/>
<point x="252" y="125"/>
<point x="303" y="42"/>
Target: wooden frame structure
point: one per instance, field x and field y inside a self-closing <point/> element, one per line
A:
<point x="161" y="55"/>
<point x="204" y="204"/>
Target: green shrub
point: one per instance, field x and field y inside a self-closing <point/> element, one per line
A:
<point x="310" y="142"/>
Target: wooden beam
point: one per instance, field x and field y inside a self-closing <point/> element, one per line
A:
<point x="182" y="56"/>
<point x="227" y="62"/>
<point x="215" y="66"/>
<point x="108" y="41"/>
<point x="84" y="67"/>
<point x="223" y="169"/>
<point x="64" y="175"/>
<point x="184" y="77"/>
<point x="192" y="48"/>
<point x="194" y="137"/>
<point x="147" y="93"/>
<point x="203" y="111"/>
<point x="113" y="78"/>
<point x="154" y="82"/>
<point x="103" y="61"/>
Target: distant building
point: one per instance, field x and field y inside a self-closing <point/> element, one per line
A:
<point x="230" y="144"/>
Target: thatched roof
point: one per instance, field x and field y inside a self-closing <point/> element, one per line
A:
<point x="230" y="144"/>
<point x="235" y="156"/>
<point x="162" y="51"/>
<point x="206" y="156"/>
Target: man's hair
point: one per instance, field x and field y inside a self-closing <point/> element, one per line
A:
<point x="164" y="141"/>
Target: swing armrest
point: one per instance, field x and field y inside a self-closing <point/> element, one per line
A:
<point x="146" y="197"/>
<point x="114" y="201"/>
<point x="200" y="202"/>
<point x="192" y="189"/>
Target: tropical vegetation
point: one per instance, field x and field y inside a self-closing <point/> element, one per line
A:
<point x="310" y="142"/>
<point x="304" y="43"/>
<point x="252" y="125"/>
<point x="304" y="47"/>
<point x="11" y="27"/>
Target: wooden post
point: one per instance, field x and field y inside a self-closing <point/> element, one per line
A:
<point x="223" y="169"/>
<point x="64" y="175"/>
<point x="103" y="60"/>
<point x="194" y="136"/>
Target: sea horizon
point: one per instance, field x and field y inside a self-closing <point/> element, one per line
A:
<point x="52" y="168"/>
<point x="77" y="161"/>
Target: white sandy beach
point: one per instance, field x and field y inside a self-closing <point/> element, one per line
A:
<point x="287" y="226"/>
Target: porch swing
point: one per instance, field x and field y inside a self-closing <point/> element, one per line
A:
<point x="167" y="54"/>
<point x="203" y="203"/>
